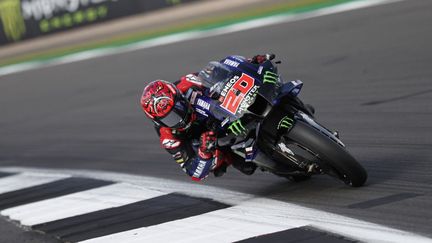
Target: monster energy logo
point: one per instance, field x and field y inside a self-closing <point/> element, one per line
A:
<point x="237" y="128"/>
<point x="285" y="123"/>
<point x="11" y="17"/>
<point x="270" y="77"/>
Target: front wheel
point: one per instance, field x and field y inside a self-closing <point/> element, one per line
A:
<point x="332" y="157"/>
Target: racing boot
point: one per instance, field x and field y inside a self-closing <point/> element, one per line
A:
<point x="312" y="168"/>
<point x="221" y="170"/>
<point x="336" y="133"/>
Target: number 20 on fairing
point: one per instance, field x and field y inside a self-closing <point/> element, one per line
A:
<point x="237" y="93"/>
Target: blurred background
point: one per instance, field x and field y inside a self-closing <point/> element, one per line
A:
<point x="41" y="29"/>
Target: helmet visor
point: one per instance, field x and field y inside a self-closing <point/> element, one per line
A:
<point x="179" y="116"/>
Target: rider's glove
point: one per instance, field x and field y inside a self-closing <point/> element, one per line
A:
<point x="208" y="157"/>
<point x="237" y="128"/>
<point x="258" y="59"/>
<point x="207" y="145"/>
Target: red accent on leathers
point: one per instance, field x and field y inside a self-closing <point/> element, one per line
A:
<point x="166" y="134"/>
<point x="187" y="82"/>
<point x="226" y="158"/>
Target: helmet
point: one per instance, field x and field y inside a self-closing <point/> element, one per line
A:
<point x="165" y="105"/>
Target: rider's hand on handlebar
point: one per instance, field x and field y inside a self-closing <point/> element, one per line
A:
<point x="258" y="59"/>
<point x="207" y="145"/>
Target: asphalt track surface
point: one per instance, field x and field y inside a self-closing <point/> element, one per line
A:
<point x="367" y="72"/>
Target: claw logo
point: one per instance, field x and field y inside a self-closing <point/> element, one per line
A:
<point x="13" y="23"/>
<point x="270" y="77"/>
<point x="286" y="123"/>
<point x="158" y="99"/>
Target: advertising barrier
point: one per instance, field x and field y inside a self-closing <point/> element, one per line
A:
<point x="25" y="19"/>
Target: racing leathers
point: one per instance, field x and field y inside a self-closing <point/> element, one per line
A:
<point x="193" y="147"/>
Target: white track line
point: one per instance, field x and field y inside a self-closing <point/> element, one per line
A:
<point x="227" y="225"/>
<point x="257" y="217"/>
<point x="79" y="203"/>
<point x="24" y="180"/>
<point x="249" y="216"/>
<point x="191" y="35"/>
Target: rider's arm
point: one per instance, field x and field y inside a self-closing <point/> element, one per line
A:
<point x="174" y="145"/>
<point x="188" y="82"/>
<point x="258" y="59"/>
<point x="197" y="166"/>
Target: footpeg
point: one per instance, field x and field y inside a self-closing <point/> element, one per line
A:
<point x="336" y="134"/>
<point x="313" y="169"/>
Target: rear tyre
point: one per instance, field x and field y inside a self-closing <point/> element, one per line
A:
<point x="335" y="160"/>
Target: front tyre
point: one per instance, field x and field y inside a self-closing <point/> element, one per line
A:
<point x="334" y="159"/>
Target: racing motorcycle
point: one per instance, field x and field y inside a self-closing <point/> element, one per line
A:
<point x="261" y="119"/>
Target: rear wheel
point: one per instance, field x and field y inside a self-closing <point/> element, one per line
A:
<point x="333" y="158"/>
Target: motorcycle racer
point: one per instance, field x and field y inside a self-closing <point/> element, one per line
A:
<point x="191" y="140"/>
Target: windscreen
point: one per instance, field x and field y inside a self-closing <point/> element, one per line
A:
<point x="213" y="73"/>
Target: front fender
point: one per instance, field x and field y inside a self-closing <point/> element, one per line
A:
<point x="311" y="122"/>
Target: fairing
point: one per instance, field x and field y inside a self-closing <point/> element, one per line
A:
<point x="235" y="87"/>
